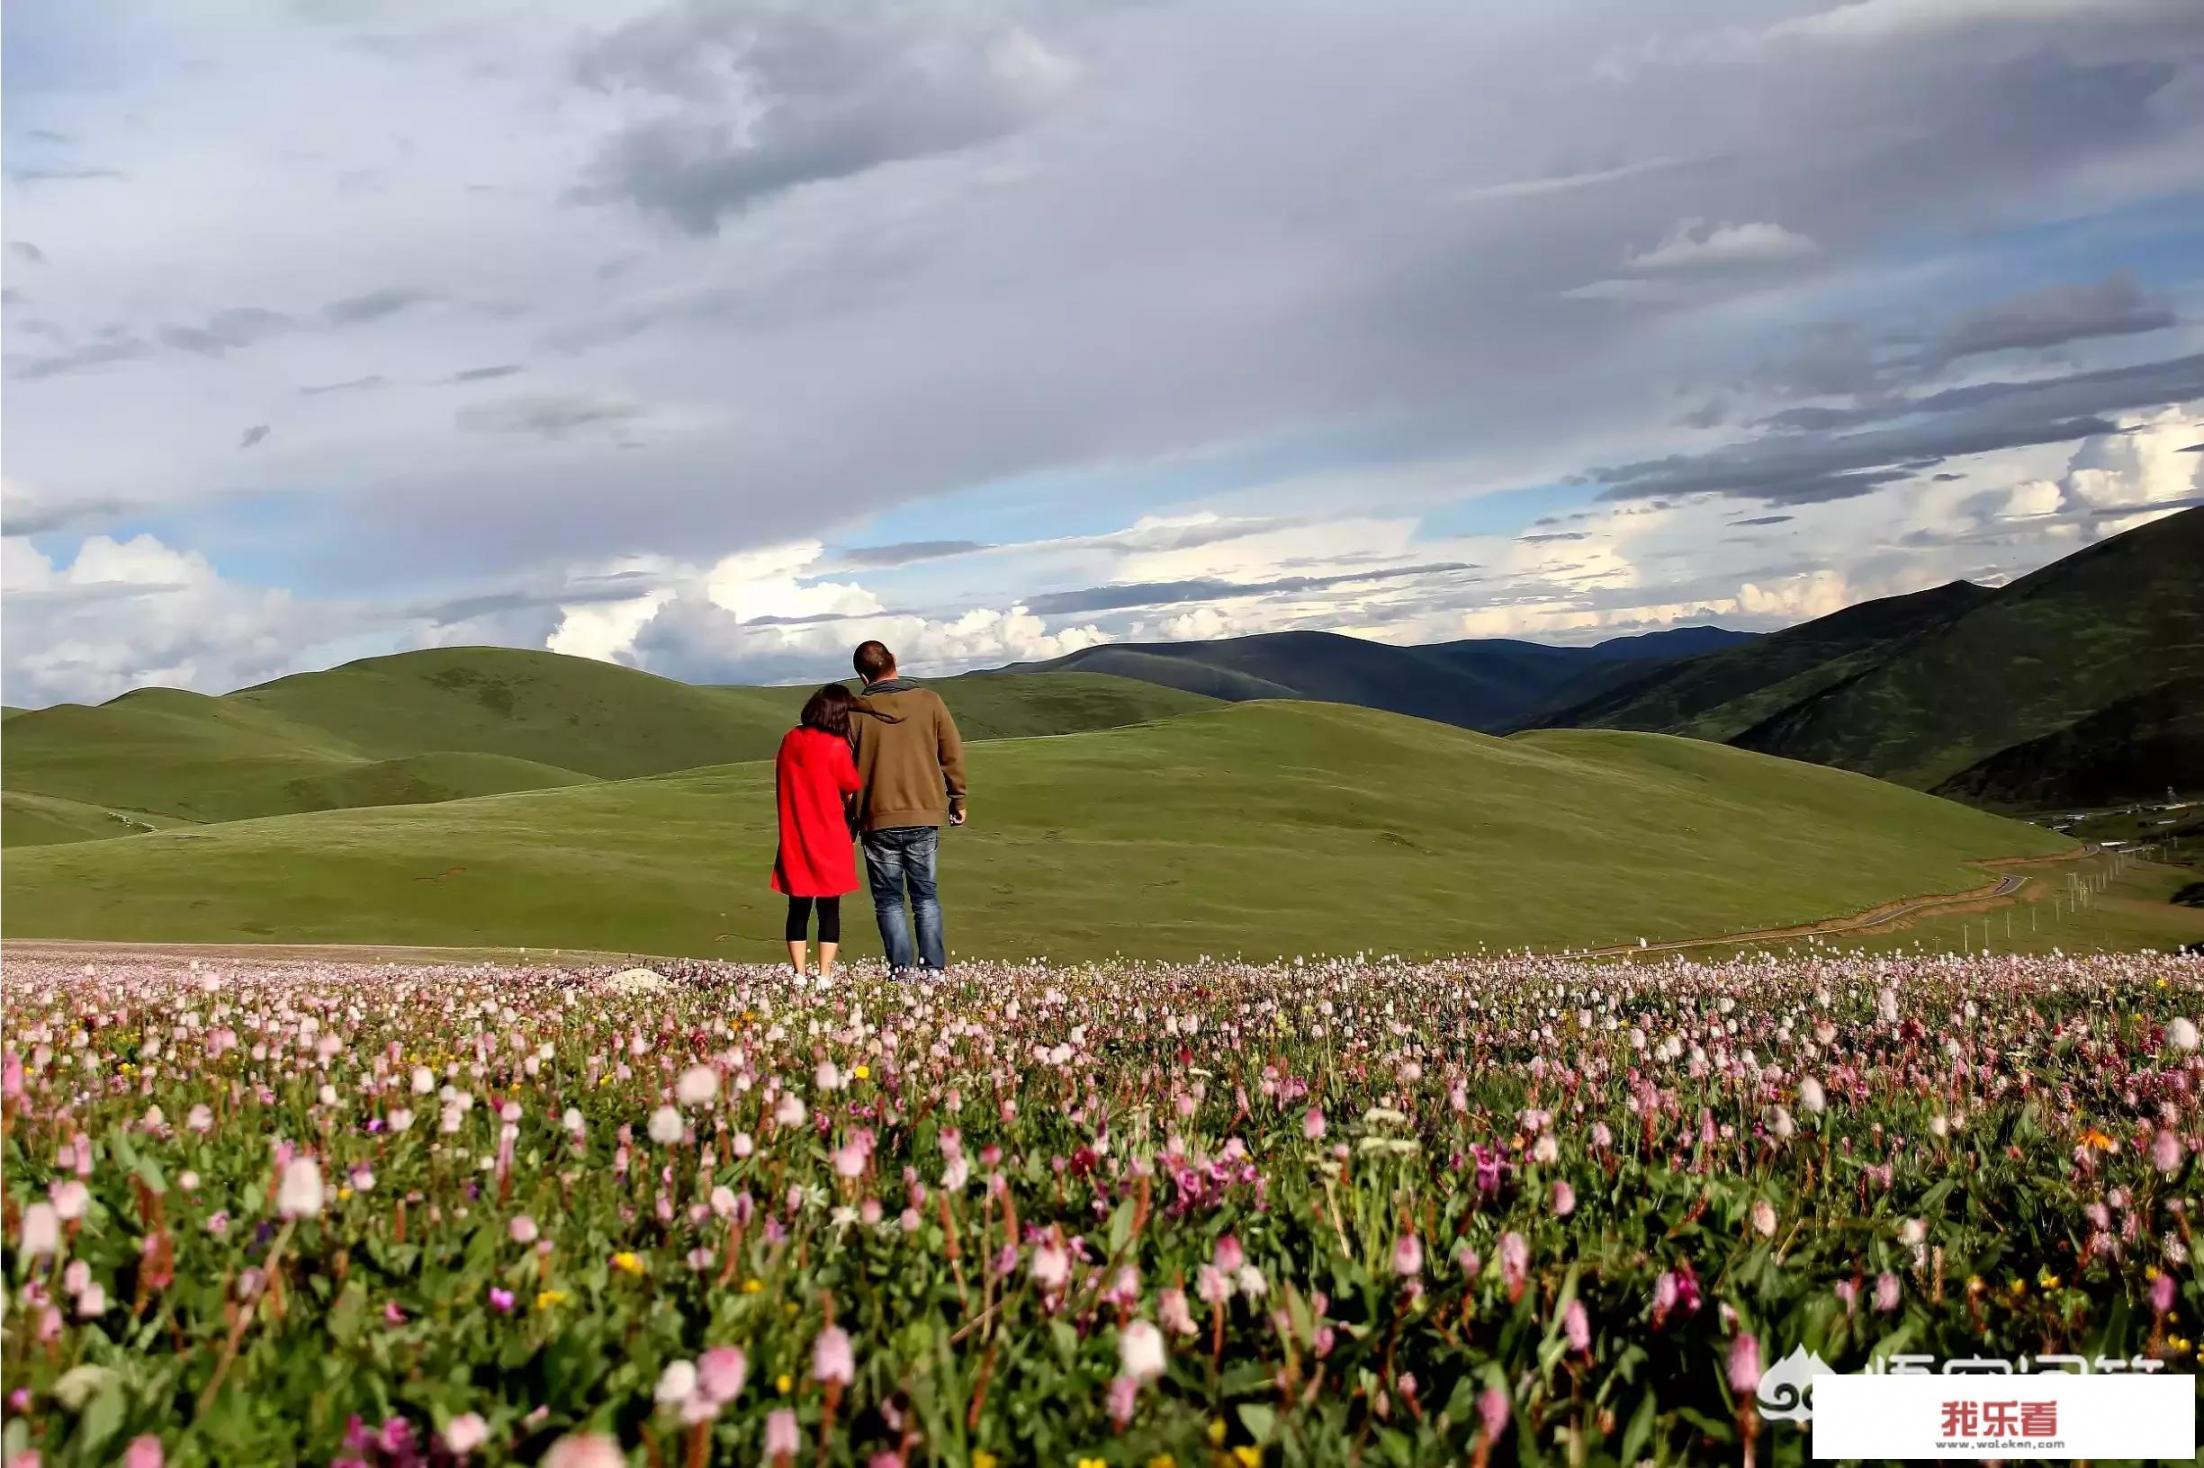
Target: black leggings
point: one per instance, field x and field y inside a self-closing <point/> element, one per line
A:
<point x="830" y="918"/>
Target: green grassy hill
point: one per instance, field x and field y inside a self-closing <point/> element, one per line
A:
<point x="1263" y="828"/>
<point x="1922" y="689"/>
<point x="41" y="820"/>
<point x="1479" y="683"/>
<point x="2131" y="750"/>
<point x="454" y="722"/>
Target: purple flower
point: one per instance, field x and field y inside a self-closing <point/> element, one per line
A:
<point x="501" y="1300"/>
<point x="1576" y="1327"/>
<point x="1744" y="1365"/>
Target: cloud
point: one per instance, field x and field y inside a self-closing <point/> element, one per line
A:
<point x="374" y="305"/>
<point x="27" y="252"/>
<point x="547" y="415"/>
<point x="1693" y="244"/>
<point x="24" y="512"/>
<point x="488" y="374"/>
<point x="106" y="352"/>
<point x="2053" y="316"/>
<point x="747" y="103"/>
<point x="350" y="384"/>
<point x="226" y="330"/>
<point x="1166" y="593"/>
<point x="253" y="435"/>
<point x="908" y="552"/>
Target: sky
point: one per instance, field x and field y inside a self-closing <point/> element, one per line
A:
<point x="712" y="337"/>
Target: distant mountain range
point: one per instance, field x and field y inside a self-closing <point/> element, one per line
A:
<point x="1486" y="684"/>
<point x="2082" y="683"/>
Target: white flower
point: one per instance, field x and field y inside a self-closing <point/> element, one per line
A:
<point x="399" y="1120"/>
<point x="665" y="1126"/>
<point x="676" y="1384"/>
<point x="1763" y="1218"/>
<point x="1810" y="1098"/>
<point x="424" y="1080"/>
<point x="1140" y="1349"/>
<point x="827" y="1077"/>
<point x="2181" y="1034"/>
<point x="300" y="1196"/>
<point x="697" y="1086"/>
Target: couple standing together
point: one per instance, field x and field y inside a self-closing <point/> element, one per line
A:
<point x="886" y="766"/>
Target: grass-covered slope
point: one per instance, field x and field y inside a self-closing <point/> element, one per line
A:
<point x="452" y="722"/>
<point x="2107" y="623"/>
<point x="1265" y="828"/>
<point x="2132" y="750"/>
<point x="41" y="820"/>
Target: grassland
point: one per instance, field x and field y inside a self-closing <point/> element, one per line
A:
<point x="41" y="820"/>
<point x="450" y="723"/>
<point x="1263" y="829"/>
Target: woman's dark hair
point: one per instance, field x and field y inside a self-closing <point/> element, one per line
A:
<point x="830" y="708"/>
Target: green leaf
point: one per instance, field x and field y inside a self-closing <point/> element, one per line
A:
<point x="1259" y="1419"/>
<point x="1640" y="1430"/>
<point x="1121" y="1227"/>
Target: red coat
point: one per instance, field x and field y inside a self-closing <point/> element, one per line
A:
<point x="810" y="777"/>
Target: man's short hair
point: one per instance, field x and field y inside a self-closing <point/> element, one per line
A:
<point x="873" y="661"/>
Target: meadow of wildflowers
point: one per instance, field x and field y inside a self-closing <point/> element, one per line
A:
<point x="1494" y="1209"/>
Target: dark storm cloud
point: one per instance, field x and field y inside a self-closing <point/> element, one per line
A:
<point x="2106" y="390"/>
<point x="907" y="552"/>
<point x="373" y="305"/>
<point x="2053" y="316"/>
<point x="27" y="252"/>
<point x="838" y="92"/>
<point x="1765" y="520"/>
<point x="253" y="435"/>
<point x="1552" y="536"/>
<point x="226" y="330"/>
<point x="1173" y="593"/>
<point x="1803" y="469"/>
<point x="488" y="374"/>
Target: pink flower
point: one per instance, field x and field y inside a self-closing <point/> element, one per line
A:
<point x="720" y="1373"/>
<point x="1407" y="1256"/>
<point x="1576" y="1327"/>
<point x="1744" y="1367"/>
<point x="143" y="1452"/>
<point x="1492" y="1411"/>
<point x="1564" y="1200"/>
<point x="521" y="1229"/>
<point x="1229" y="1256"/>
<point x="501" y="1300"/>
<point x="585" y="1450"/>
<point x="832" y="1360"/>
<point x="1171" y="1307"/>
<point x="1515" y="1263"/>
<point x="1120" y="1398"/>
<point x="1140" y="1351"/>
<point x="1213" y="1285"/>
<point x="2161" y="1294"/>
<point x="1886" y="1292"/>
<point x="466" y="1432"/>
<point x="2165" y="1151"/>
<point x="782" y="1440"/>
<point x="1051" y="1264"/>
<point x="1312" y="1125"/>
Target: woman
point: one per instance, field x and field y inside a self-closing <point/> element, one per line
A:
<point x="814" y="782"/>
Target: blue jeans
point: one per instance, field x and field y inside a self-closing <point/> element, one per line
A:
<point x="899" y="860"/>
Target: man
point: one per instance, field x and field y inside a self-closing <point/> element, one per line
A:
<point x="911" y="759"/>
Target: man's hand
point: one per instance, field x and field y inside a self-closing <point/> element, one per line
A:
<point x="956" y="814"/>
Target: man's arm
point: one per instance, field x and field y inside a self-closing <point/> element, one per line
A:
<point x="949" y="750"/>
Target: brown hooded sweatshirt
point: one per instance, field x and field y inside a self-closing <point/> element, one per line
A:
<point x="913" y="769"/>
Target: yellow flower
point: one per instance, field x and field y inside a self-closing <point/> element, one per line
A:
<point x="1163" y="1460"/>
<point x="2019" y="1287"/>
<point x="1249" y="1457"/>
<point x="1083" y="1462"/>
<point x="784" y="1383"/>
<point x="2047" y="1279"/>
<point x="2095" y="1138"/>
<point x="864" y="1073"/>
<point x="1216" y="1432"/>
<point x="752" y="1285"/>
<point x="545" y="1299"/>
<point x="984" y="1459"/>
<point x="344" y="1194"/>
<point x="627" y="1262"/>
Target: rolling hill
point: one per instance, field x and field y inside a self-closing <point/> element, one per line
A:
<point x="454" y="722"/>
<point x="1264" y="828"/>
<point x="2005" y="696"/>
<point x="1485" y="684"/>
